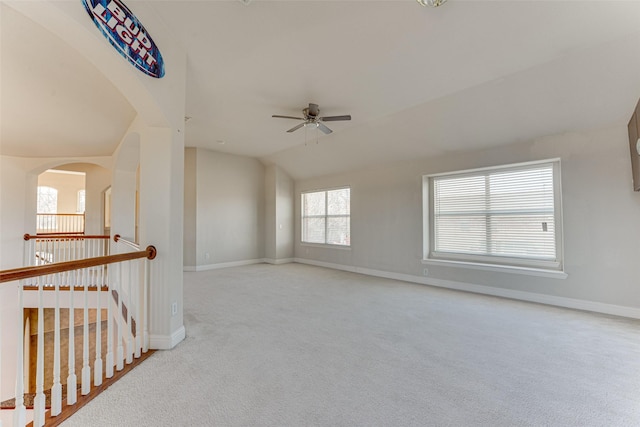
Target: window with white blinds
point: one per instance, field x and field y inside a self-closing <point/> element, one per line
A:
<point x="326" y="217"/>
<point x="507" y="215"/>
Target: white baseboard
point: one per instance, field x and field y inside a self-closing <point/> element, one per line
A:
<point x="578" y="304"/>
<point x="223" y="265"/>
<point x="238" y="264"/>
<point x="167" y="342"/>
<point x="278" y="261"/>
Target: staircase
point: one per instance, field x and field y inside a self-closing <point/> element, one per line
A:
<point x="86" y="326"/>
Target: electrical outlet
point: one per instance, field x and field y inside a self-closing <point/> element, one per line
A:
<point x="425" y="272"/>
<point x="207" y="256"/>
<point x="174" y="308"/>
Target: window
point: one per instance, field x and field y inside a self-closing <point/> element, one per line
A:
<point x="47" y="200"/>
<point x="47" y="203"/>
<point x="326" y="217"/>
<point x="81" y="201"/>
<point x="508" y="215"/>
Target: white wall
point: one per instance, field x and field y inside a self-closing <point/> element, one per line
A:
<point x="18" y="186"/>
<point x="97" y="179"/>
<point x="601" y="222"/>
<point x="68" y="186"/>
<point x="229" y="209"/>
<point x="13" y="207"/>
<point x="94" y="181"/>
<point x="9" y="318"/>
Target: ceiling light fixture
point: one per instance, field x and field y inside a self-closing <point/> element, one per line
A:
<point x="431" y="3"/>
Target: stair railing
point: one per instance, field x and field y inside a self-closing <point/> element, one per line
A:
<point x="104" y="276"/>
<point x="48" y="223"/>
<point x="138" y="311"/>
<point x="50" y="248"/>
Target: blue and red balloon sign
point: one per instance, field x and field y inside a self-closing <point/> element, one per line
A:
<point x="125" y="33"/>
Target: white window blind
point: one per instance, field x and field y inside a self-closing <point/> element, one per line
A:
<point x="326" y="217"/>
<point x="506" y="215"/>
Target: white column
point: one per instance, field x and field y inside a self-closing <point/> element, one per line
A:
<point x="162" y="190"/>
<point x="20" y="413"/>
<point x="72" y="379"/>
<point x="109" y="356"/>
<point x="1" y="359"/>
<point x="56" y="388"/>
<point x="135" y="300"/>
<point x="119" y="322"/>
<point x="145" y="308"/>
<point x="38" y="401"/>
<point x="97" y="366"/>
<point x="86" y="369"/>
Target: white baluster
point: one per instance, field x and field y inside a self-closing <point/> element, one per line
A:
<point x="39" y="400"/>
<point x="56" y="388"/>
<point x="86" y="369"/>
<point x="28" y="251"/>
<point x="45" y="255"/>
<point x="119" y="321"/>
<point x="136" y="303"/>
<point x="72" y="379"/>
<point x="0" y="360"/>
<point x="145" y="314"/>
<point x="97" y="366"/>
<point x="20" y="413"/>
<point x="109" y="356"/>
<point x="129" y="314"/>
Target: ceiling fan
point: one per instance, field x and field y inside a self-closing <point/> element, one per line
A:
<point x="312" y="118"/>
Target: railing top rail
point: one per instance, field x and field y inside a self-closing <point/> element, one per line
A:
<point x="59" y="267"/>
<point x="72" y="236"/>
<point x="119" y="239"/>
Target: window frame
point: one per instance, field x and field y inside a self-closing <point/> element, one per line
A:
<point x="326" y="216"/>
<point x="81" y="201"/>
<point x="493" y="261"/>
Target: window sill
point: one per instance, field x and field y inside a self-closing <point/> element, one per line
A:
<point x="527" y="271"/>
<point x="326" y="246"/>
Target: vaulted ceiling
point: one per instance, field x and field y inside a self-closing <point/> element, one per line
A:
<point x="417" y="81"/>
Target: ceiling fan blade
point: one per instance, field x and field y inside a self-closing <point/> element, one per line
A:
<point x="287" y="117"/>
<point x="296" y="127"/>
<point x="335" y="118"/>
<point x="314" y="110"/>
<point x="324" y="129"/>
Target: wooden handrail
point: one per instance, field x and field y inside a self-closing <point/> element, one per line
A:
<point x="59" y="267"/>
<point x="61" y="233"/>
<point x="74" y="236"/>
<point x="117" y="238"/>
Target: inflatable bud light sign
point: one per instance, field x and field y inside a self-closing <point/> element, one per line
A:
<point x="126" y="34"/>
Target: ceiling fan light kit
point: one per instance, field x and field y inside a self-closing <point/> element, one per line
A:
<point x="311" y="118"/>
<point x="431" y="3"/>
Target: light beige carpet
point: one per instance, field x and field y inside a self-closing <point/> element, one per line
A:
<point x="296" y="345"/>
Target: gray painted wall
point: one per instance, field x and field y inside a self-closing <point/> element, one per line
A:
<point x="229" y="208"/>
<point x="601" y="217"/>
<point x="190" y="207"/>
<point x="270" y="184"/>
<point x="284" y="224"/>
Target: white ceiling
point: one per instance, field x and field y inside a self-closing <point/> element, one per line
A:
<point x="417" y="81"/>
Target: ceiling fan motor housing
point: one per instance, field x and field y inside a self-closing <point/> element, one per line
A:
<point x="312" y="117"/>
